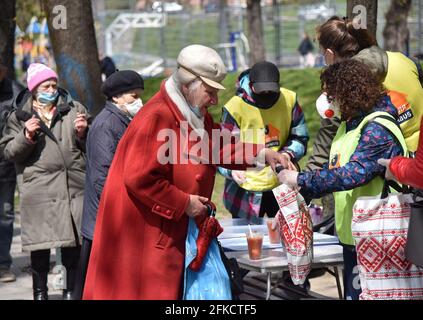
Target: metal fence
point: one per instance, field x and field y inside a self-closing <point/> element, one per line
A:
<point x="139" y="48"/>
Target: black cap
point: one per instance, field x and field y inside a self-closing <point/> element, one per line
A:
<point x="265" y="77"/>
<point x="121" y="82"/>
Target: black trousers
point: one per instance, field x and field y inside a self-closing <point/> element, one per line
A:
<point x="81" y="271"/>
<point x="269" y="205"/>
<point x="40" y="259"/>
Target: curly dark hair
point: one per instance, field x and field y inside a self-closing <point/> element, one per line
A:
<point x="352" y="86"/>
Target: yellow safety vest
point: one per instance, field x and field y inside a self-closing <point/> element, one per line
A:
<point x="406" y="94"/>
<point x="269" y="127"/>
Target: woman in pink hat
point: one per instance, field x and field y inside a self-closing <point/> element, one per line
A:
<point x="45" y="138"/>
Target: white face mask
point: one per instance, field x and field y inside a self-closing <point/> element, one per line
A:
<point x="134" y="107"/>
<point x="325" y="108"/>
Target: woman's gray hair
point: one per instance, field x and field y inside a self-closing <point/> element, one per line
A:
<point x="183" y="77"/>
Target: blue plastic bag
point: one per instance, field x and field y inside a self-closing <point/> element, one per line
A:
<point x="211" y="282"/>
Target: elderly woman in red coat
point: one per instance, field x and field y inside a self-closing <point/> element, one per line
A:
<point x="139" y="240"/>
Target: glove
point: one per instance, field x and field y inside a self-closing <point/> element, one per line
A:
<point x="288" y="177"/>
<point x="388" y="173"/>
<point x="239" y="176"/>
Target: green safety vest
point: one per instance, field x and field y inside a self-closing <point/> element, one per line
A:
<point x="343" y="147"/>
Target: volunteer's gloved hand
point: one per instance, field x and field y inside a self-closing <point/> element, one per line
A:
<point x="287" y="163"/>
<point x="288" y="177"/>
<point x="239" y="176"/>
<point x="388" y="173"/>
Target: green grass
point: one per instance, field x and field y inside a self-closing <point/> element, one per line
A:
<point x="305" y="83"/>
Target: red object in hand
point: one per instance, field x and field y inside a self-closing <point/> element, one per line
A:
<point x="208" y="229"/>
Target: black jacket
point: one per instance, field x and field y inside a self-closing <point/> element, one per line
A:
<point x="9" y="89"/>
<point x="105" y="133"/>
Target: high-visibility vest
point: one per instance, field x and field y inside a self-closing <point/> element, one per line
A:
<point x="270" y="127"/>
<point x="406" y="93"/>
<point x="343" y="147"/>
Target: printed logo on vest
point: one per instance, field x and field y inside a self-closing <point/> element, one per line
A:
<point x="335" y="162"/>
<point x="272" y="136"/>
<point x="399" y="100"/>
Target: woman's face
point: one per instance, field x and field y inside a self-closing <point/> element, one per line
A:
<point x="127" y="97"/>
<point x="202" y="96"/>
<point x="49" y="86"/>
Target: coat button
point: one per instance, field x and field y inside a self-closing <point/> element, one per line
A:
<point x="158" y="208"/>
<point x="168" y="212"/>
<point x="198" y="177"/>
<point x="177" y="123"/>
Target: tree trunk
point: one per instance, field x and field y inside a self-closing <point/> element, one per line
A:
<point x="396" y="33"/>
<point x="74" y="45"/>
<point x="255" y="31"/>
<point x="370" y="14"/>
<point x="7" y="35"/>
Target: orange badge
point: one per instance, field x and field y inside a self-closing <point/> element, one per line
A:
<point x="272" y="136"/>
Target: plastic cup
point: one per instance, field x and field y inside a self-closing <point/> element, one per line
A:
<point x="255" y="244"/>
<point x="274" y="236"/>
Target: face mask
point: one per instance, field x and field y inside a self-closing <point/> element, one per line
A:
<point x="325" y="108"/>
<point x="47" y="98"/>
<point x="267" y="100"/>
<point x="134" y="107"/>
<point x="197" y="111"/>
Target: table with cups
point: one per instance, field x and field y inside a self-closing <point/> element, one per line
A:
<point x="257" y="248"/>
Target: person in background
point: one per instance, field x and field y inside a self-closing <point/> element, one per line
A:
<point x="123" y="91"/>
<point x="368" y="132"/>
<point x="45" y="138"/>
<point x="306" y="52"/>
<point x="158" y="180"/>
<point x="107" y="67"/>
<point x="261" y="104"/>
<point x="9" y="89"/>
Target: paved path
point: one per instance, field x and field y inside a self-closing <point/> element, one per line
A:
<point x="21" y="289"/>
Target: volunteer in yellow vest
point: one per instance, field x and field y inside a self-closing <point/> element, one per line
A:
<point x="261" y="112"/>
<point x="401" y="76"/>
<point x="368" y="132"/>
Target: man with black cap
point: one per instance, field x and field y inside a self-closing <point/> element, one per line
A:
<point x="123" y="90"/>
<point x="260" y="104"/>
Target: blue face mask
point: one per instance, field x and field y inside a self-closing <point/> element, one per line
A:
<point x="196" y="110"/>
<point x="47" y="97"/>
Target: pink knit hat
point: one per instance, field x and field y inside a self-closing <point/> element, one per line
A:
<point x="38" y="73"/>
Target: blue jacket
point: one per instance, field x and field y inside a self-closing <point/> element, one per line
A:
<point x="375" y="143"/>
<point x="103" y="137"/>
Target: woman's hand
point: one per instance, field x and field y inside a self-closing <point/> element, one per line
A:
<point x="288" y="177"/>
<point x="385" y="163"/>
<point x="196" y="206"/>
<point x="31" y="127"/>
<point x="81" y="124"/>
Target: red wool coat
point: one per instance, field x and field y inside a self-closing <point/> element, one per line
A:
<point x="410" y="171"/>
<point x="138" y="248"/>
